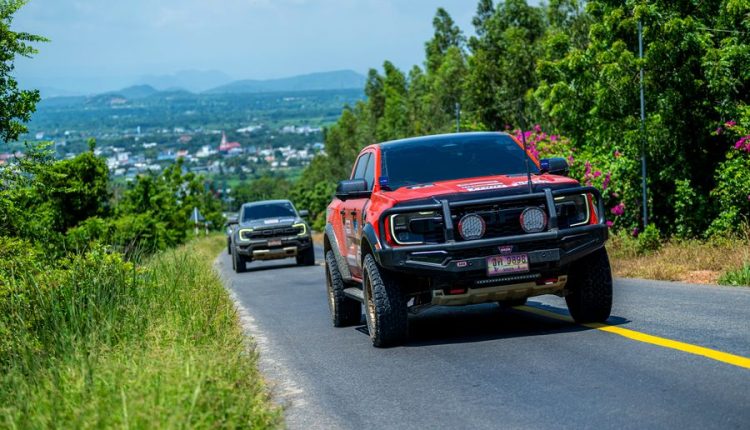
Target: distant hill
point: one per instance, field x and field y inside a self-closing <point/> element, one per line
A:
<point x="191" y="80"/>
<point x="336" y="80"/>
<point x="136" y="92"/>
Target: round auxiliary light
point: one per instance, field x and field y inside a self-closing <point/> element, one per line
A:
<point x="533" y="220"/>
<point x="471" y="227"/>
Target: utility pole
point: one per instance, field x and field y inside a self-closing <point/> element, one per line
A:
<point x="458" y="117"/>
<point x="643" y="129"/>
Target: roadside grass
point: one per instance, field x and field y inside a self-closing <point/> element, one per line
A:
<point x="103" y="343"/>
<point x="736" y="277"/>
<point x="696" y="261"/>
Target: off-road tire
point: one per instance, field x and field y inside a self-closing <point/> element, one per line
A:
<point x="239" y="262"/>
<point x="385" y="307"/>
<point x="589" y="288"/>
<point x="344" y="310"/>
<point x="306" y="257"/>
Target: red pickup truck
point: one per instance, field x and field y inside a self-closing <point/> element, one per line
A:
<point x="461" y="219"/>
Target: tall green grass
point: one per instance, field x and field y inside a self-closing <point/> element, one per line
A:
<point x="101" y="343"/>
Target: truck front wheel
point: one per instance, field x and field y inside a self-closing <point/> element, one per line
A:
<point x="239" y="262"/>
<point x="385" y="307"/>
<point x="306" y="257"/>
<point x="589" y="288"/>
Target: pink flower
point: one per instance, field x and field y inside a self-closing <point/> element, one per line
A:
<point x="537" y="128"/>
<point x="588" y="168"/>
<point x="553" y="137"/>
<point x="597" y="174"/>
<point x="610" y="224"/>
<point x="607" y="178"/>
<point x="618" y="210"/>
<point x="636" y="232"/>
<point x="719" y="130"/>
<point x="730" y="124"/>
<point x="571" y="160"/>
<point x="617" y="153"/>
<point x="743" y="144"/>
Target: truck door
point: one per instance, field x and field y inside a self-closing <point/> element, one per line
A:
<point x="352" y="211"/>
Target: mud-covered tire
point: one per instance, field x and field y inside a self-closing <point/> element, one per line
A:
<point x="385" y="306"/>
<point x="589" y="288"/>
<point x="306" y="257"/>
<point x="344" y="310"/>
<point x="239" y="262"/>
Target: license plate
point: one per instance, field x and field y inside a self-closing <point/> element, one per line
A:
<point x="502" y="264"/>
<point x="274" y="243"/>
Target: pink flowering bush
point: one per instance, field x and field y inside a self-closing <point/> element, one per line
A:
<point x="610" y="171"/>
<point x="732" y="192"/>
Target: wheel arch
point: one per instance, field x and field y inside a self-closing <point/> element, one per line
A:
<point x="369" y="244"/>
<point x="331" y="243"/>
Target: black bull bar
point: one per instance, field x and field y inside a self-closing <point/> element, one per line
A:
<point x="444" y="206"/>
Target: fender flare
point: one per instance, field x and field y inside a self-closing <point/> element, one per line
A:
<point x="330" y="236"/>
<point x="370" y="238"/>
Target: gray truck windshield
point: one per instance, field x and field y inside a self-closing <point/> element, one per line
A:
<point x="270" y="210"/>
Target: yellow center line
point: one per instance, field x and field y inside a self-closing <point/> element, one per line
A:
<point x="724" y="357"/>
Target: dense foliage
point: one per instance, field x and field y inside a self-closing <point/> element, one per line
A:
<point x="572" y="68"/>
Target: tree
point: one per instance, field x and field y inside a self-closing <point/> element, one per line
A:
<point x="447" y="34"/>
<point x="16" y="105"/>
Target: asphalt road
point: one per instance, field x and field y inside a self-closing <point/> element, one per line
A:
<point x="486" y="367"/>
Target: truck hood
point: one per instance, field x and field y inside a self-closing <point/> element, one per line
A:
<point x="489" y="184"/>
<point x="269" y="223"/>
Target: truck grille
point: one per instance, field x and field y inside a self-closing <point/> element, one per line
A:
<point x="500" y="221"/>
<point x="275" y="232"/>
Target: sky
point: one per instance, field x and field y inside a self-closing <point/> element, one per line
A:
<point x="99" y="45"/>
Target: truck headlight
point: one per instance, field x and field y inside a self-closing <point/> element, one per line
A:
<point x="302" y="228"/>
<point x="416" y="227"/>
<point x="245" y="233"/>
<point x="573" y="210"/>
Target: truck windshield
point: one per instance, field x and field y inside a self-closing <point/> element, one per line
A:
<point x="425" y="161"/>
<point x="270" y="210"/>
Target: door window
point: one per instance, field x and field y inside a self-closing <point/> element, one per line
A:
<point x="370" y="172"/>
<point x="359" y="171"/>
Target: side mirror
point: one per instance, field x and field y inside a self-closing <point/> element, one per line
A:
<point x="232" y="221"/>
<point x="352" y="189"/>
<point x="304" y="213"/>
<point x="554" y="166"/>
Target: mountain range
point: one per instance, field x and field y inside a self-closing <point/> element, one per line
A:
<point x="215" y="83"/>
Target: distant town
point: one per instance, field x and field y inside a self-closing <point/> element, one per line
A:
<point x="223" y="156"/>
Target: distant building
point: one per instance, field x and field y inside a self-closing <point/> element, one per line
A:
<point x="226" y="146"/>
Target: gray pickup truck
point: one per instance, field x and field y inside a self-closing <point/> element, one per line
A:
<point x="270" y="230"/>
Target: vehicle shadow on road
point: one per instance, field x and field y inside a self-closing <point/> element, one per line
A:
<point x="445" y="325"/>
<point x="253" y="268"/>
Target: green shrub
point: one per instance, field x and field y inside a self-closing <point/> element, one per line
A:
<point x="739" y="277"/>
<point x="731" y="194"/>
<point x="649" y="240"/>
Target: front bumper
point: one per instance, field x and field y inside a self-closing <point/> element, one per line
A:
<point x="465" y="262"/>
<point x="262" y="250"/>
<point x="547" y="252"/>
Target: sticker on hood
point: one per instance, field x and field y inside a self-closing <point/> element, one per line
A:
<point x="483" y="186"/>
